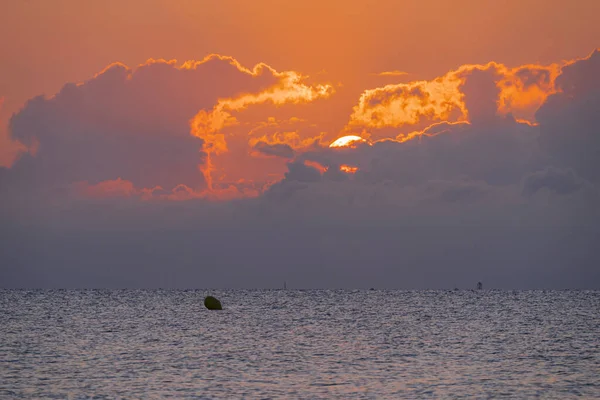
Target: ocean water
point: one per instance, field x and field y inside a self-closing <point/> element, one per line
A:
<point x="313" y="344"/>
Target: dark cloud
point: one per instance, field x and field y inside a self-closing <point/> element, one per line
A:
<point x="497" y="152"/>
<point x="456" y="191"/>
<point x="555" y="180"/>
<point x="320" y="234"/>
<point x="298" y="171"/>
<point x="276" y="150"/>
<point x="481" y="94"/>
<point x="570" y="119"/>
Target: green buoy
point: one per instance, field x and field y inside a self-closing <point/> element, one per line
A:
<point x="212" y="303"/>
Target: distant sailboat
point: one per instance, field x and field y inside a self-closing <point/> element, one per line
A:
<point x="284" y="285"/>
<point x="479" y="285"/>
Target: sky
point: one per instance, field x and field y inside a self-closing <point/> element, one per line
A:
<point x="194" y="144"/>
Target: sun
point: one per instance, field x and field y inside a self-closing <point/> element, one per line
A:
<point x="346" y="141"/>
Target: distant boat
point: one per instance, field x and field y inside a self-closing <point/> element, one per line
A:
<point x="284" y="285"/>
<point x="479" y="285"/>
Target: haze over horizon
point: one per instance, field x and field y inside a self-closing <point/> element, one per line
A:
<point x="159" y="144"/>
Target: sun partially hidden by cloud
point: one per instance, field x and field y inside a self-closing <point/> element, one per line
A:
<point x="346" y="141"/>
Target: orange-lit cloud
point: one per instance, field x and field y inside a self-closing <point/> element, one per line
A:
<point x="408" y="103"/>
<point x="524" y="89"/>
<point x="316" y="165"/>
<point x="392" y="73"/>
<point x="519" y="91"/>
<point x="106" y="189"/>
<point x="293" y="133"/>
<point x="288" y="89"/>
<point x="208" y="126"/>
<point x="432" y="130"/>
<point x="348" y="169"/>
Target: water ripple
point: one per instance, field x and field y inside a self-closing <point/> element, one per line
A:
<point x="299" y="344"/>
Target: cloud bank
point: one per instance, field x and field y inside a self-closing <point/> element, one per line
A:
<point x="209" y="174"/>
<point x="148" y="126"/>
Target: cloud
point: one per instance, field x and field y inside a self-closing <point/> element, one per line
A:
<point x="142" y="125"/>
<point x="289" y="89"/>
<point x="459" y="95"/>
<point x="392" y="73"/>
<point x="295" y="132"/>
<point x="106" y="189"/>
<point x="554" y="180"/>
<point x="570" y="119"/>
<point x="276" y="150"/>
<point x="408" y="104"/>
<point x="279" y="136"/>
<point x="300" y="172"/>
<point x="525" y="88"/>
<point x="497" y="152"/>
<point x="480" y="93"/>
<point x="10" y="150"/>
<point x="479" y="194"/>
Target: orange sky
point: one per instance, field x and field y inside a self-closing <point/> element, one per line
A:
<point x="345" y="44"/>
<point x="47" y="43"/>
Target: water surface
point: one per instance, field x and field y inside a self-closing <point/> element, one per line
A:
<point x="299" y="344"/>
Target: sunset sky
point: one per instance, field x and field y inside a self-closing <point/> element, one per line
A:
<point x="188" y="143"/>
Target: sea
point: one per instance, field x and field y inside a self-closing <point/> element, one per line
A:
<point x="299" y="344"/>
